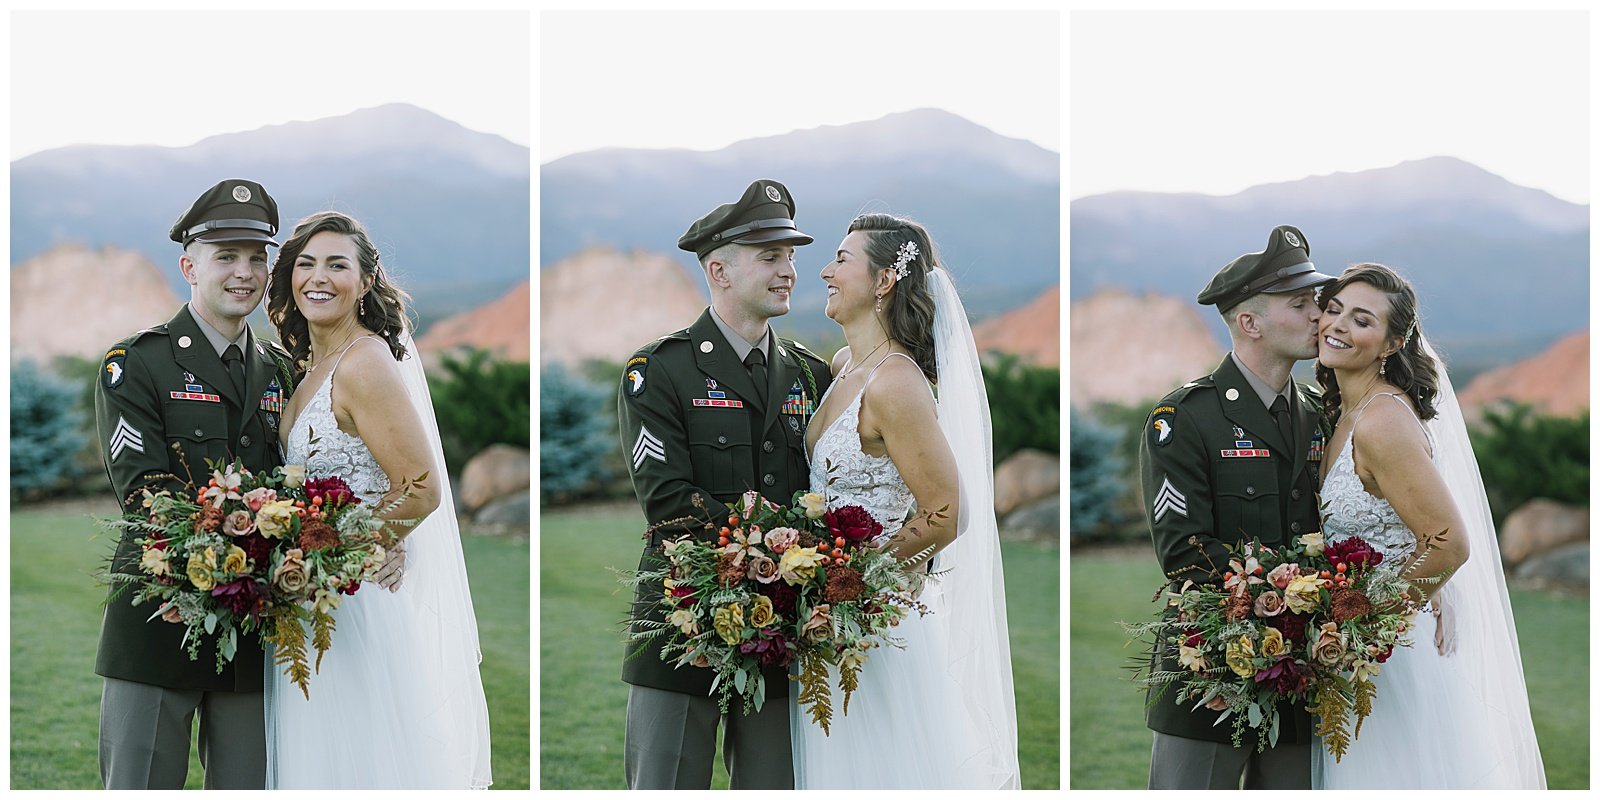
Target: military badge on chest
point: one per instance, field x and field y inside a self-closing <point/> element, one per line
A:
<point x="193" y="390"/>
<point x="1315" y="453"/>
<point x="798" y="407"/>
<point x="716" y="397"/>
<point x="272" y="402"/>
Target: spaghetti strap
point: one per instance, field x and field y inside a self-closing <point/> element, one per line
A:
<point x="913" y="361"/>
<point x="1426" y="436"/>
<point x="340" y="356"/>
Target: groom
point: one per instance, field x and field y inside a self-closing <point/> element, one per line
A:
<point x="1230" y="457"/>
<point x="167" y="398"/>
<point x="712" y="411"/>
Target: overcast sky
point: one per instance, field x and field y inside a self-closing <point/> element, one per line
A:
<point x="703" y="80"/>
<point x="1216" y="102"/>
<point x="174" y="78"/>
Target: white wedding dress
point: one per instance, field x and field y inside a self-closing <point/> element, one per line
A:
<point x="393" y="705"/>
<point x="939" y="714"/>
<point x="1439" y="721"/>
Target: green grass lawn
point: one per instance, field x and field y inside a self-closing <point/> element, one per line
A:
<point x="583" y="701"/>
<point x="1111" y="746"/>
<point x="55" y="625"/>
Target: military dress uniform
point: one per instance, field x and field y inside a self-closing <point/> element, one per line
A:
<point x="693" y="423"/>
<point x="1218" y="468"/>
<point x="164" y="404"/>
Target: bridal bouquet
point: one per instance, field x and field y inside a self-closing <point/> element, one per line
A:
<point x="1309" y="623"/>
<point x="779" y="585"/>
<point x="255" y="551"/>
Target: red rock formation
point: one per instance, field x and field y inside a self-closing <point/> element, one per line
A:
<point x="1134" y="349"/>
<point x="501" y="327"/>
<point x="604" y="304"/>
<point x="1033" y="332"/>
<point x="1555" y="381"/>
<point x="71" y="300"/>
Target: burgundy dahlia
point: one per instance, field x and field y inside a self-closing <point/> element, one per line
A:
<point x="1284" y="677"/>
<point x="783" y="597"/>
<point x="1291" y="625"/>
<point x="333" y="491"/>
<point x="242" y="596"/>
<point x="853" y="523"/>
<point x="1353" y="551"/>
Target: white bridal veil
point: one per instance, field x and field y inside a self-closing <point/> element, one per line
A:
<point x="437" y="573"/>
<point x="1486" y="653"/>
<point x="980" y="645"/>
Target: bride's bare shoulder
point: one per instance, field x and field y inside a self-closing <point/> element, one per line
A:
<point x="368" y="370"/>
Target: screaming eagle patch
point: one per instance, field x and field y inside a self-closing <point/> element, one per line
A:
<point x="633" y="376"/>
<point x="1161" y="425"/>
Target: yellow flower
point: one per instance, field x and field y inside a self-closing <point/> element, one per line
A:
<point x="1272" y="645"/>
<point x="1303" y="593"/>
<point x="728" y="622"/>
<point x="234" y="562"/>
<point x="1363" y="670"/>
<point x="761" y="614"/>
<point x="799" y="565"/>
<point x="1239" y="654"/>
<point x="200" y="566"/>
<point x="155" y="562"/>
<point x="294" y="475"/>
<point x="814" y="505"/>
<point x="1313" y="543"/>
<point x="1192" y="658"/>
<point x="683" y="618"/>
<point x="275" y="520"/>
<point x="326" y="601"/>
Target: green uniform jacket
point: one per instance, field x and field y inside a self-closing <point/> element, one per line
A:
<point x="1202" y="483"/>
<point x="159" y="388"/>
<point x="691" y="424"/>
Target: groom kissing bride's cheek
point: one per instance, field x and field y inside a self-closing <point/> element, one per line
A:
<point x="726" y="407"/>
<point x="1391" y="661"/>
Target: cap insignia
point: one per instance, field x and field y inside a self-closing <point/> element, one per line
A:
<point x="1293" y="240"/>
<point x="241" y="193"/>
<point x="772" y="192"/>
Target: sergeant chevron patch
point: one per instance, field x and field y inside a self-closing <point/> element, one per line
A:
<point x="647" y="446"/>
<point x="124" y="437"/>
<point x="1169" y="499"/>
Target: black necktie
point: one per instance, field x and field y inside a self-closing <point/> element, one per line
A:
<point x="756" y="362"/>
<point x="1280" y="415"/>
<point x="233" y="359"/>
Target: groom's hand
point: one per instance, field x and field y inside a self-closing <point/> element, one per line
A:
<point x="393" y="567"/>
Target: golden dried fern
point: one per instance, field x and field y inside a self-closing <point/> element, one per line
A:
<point x="322" y="625"/>
<point x="289" y="650"/>
<point x="814" y="693"/>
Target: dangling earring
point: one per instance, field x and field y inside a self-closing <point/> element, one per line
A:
<point x="879" y="306"/>
<point x="361" y="306"/>
<point x="1382" y="364"/>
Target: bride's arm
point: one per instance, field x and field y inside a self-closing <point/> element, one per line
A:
<point x="1392" y="449"/>
<point x="899" y="408"/>
<point x="369" y="393"/>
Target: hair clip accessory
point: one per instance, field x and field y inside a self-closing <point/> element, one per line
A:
<point x="908" y="253"/>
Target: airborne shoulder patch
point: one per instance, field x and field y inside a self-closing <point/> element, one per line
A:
<point x="633" y="376"/>
<point x="111" y="370"/>
<point x="1161" y="425"/>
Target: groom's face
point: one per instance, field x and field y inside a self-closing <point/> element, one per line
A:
<point x="1290" y="326"/>
<point x="760" y="278"/>
<point x="227" y="279"/>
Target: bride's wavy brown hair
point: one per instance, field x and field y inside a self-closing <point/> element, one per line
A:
<point x="382" y="310"/>
<point x="1410" y="369"/>
<point x="910" y="306"/>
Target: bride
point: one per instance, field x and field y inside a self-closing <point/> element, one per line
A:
<point x="940" y="713"/>
<point x="1452" y="710"/>
<point x="397" y="701"/>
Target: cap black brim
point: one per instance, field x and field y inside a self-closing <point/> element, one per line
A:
<point x="235" y="235"/>
<point x="770" y="235"/>
<point x="1300" y="281"/>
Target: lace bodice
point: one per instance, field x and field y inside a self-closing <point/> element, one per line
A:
<point x="335" y="452"/>
<point x="1350" y="510"/>
<point x="857" y="478"/>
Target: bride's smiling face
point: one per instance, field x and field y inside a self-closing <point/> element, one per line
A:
<point x="850" y="279"/>
<point x="327" y="279"/>
<point x="1354" y="329"/>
